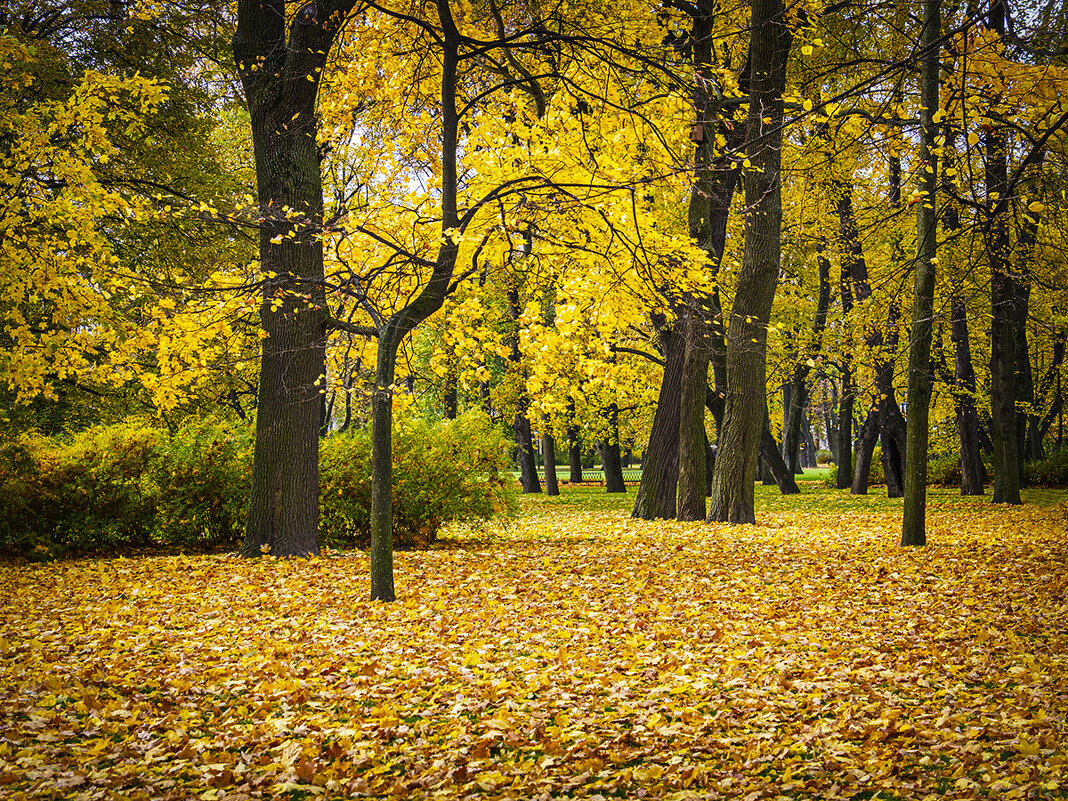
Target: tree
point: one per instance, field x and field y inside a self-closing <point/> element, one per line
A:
<point x="281" y="60"/>
<point x="913" y="529"/>
<point x="732" y="485"/>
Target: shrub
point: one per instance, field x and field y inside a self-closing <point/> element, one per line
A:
<point x="876" y="476"/>
<point x="135" y="486"/>
<point x="452" y="470"/>
<point x="1049" y="472"/>
<point x="201" y="476"/>
<point x="824" y="457"/>
<point x="20" y="501"/>
<point x="944" y="471"/>
<point x="87" y="494"/>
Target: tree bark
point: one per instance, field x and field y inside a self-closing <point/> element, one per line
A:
<point x="548" y="450"/>
<point x="656" y="497"/>
<point x="844" y="434"/>
<point x="972" y="473"/>
<point x="611" y="461"/>
<point x="732" y="485"/>
<point x="781" y="474"/>
<point x="692" y="435"/>
<point x="913" y="525"/>
<point x="280" y="71"/>
<point x="524" y="443"/>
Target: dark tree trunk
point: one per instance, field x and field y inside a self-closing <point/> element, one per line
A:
<point x="574" y="451"/>
<point x="611" y="461"/>
<point x="892" y="433"/>
<point x="808" y="453"/>
<point x="1049" y="394"/>
<point x="449" y="401"/>
<point x="1003" y="355"/>
<point x="692" y="435"/>
<point x="1025" y="382"/>
<point x="920" y="380"/>
<point x="776" y="467"/>
<point x="392" y="332"/>
<point x="732" y="497"/>
<point x="866" y="440"/>
<point x="656" y="496"/>
<point x="844" y="434"/>
<point x="885" y="418"/>
<point x="548" y="450"/>
<point x="972" y="473"/>
<point x="798" y="386"/>
<point x="280" y="72"/>
<point x="524" y="443"/>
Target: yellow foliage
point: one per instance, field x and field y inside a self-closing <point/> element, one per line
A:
<point x="567" y="654"/>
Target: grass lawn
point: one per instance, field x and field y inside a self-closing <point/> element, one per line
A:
<point x="569" y="653"/>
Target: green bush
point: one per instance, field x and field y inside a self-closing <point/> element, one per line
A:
<point x="134" y="486"/>
<point x="446" y="471"/>
<point x="876" y="476"/>
<point x="87" y="494"/>
<point x="1049" y="472"/>
<point x="20" y="501"/>
<point x="824" y="457"/>
<point x="944" y="471"/>
<point x="201" y="477"/>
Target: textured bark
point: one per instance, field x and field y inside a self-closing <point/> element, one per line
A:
<point x="656" y="496"/>
<point x="524" y="443"/>
<point x="844" y="434"/>
<point x="280" y="70"/>
<point x="692" y="436"/>
<point x="732" y="485"/>
<point x="913" y="525"/>
<point x="1003" y="357"/>
<point x="548" y="452"/>
<point x="781" y="474"/>
<point x="521" y="428"/>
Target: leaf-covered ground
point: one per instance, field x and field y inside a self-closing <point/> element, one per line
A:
<point x="571" y="654"/>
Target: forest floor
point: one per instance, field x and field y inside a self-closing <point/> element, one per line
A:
<point x="569" y="653"/>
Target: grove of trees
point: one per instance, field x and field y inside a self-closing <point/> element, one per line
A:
<point x="696" y="230"/>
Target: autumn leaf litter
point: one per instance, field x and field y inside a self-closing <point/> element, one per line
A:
<point x="564" y="655"/>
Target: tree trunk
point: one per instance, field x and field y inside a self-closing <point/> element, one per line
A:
<point x="808" y="452"/>
<point x="548" y="450"/>
<point x="574" y="452"/>
<point x="913" y="525"/>
<point x="280" y="73"/>
<point x="776" y="467"/>
<point x="732" y="485"/>
<point x="524" y="443"/>
<point x="869" y="435"/>
<point x="692" y="435"/>
<point x="449" y="401"/>
<point x="392" y="332"/>
<point x="798" y="386"/>
<point x="656" y="496"/>
<point x="845" y="431"/>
